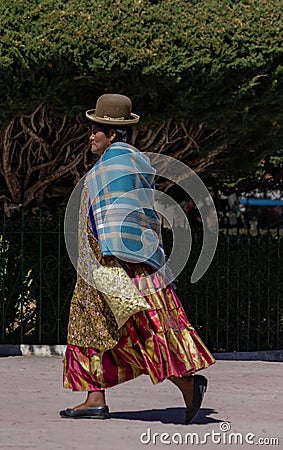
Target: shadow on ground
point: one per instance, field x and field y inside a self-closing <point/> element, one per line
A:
<point x="168" y="415"/>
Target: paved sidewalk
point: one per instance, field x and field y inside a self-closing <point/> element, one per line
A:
<point x="245" y="396"/>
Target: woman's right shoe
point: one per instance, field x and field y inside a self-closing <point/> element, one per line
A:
<point x="200" y="386"/>
<point x="98" y="412"/>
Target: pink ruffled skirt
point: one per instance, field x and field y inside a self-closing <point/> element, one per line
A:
<point x="159" y="342"/>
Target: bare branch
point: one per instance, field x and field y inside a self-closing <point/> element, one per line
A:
<point x="39" y="186"/>
<point x="42" y="154"/>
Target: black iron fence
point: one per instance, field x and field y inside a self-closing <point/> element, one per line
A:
<point x="36" y="280"/>
<point x="236" y="306"/>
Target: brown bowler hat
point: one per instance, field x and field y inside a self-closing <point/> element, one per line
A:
<point x="113" y="109"/>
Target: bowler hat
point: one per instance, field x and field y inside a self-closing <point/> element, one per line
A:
<point x="113" y="109"/>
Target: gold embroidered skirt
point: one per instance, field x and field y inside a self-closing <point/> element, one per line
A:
<point x="158" y="341"/>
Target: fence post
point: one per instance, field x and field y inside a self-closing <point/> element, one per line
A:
<point x="238" y="293"/>
<point x="59" y="280"/>
<point x="40" y="278"/>
<point x="228" y="291"/>
<point x="22" y="274"/>
<point x="3" y="269"/>
<point x="278" y="294"/>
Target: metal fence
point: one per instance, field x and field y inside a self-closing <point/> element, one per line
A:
<point x="236" y="306"/>
<point x="36" y="280"/>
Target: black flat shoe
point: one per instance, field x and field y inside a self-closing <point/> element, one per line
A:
<point x="200" y="385"/>
<point x="99" y="412"/>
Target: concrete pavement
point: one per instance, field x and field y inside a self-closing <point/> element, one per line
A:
<point x="242" y="407"/>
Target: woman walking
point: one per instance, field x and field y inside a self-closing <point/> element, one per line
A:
<point x="139" y="325"/>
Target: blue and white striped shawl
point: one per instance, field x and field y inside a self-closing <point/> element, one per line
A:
<point x="121" y="199"/>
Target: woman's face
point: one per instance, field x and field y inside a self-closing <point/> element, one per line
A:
<point x="99" y="141"/>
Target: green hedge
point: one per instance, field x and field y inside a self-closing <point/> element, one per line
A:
<point x="218" y="62"/>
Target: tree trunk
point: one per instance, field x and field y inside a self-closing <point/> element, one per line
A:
<point x="44" y="156"/>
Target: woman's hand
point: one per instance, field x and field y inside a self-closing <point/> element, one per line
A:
<point x="108" y="260"/>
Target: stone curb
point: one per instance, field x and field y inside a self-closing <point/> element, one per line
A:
<point x="43" y="350"/>
<point x="264" y="355"/>
<point x="59" y="350"/>
<point x="32" y="350"/>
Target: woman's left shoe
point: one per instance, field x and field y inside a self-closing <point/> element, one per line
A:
<point x="200" y="386"/>
<point x="98" y="412"/>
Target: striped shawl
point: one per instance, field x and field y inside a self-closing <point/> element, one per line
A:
<point x="121" y="199"/>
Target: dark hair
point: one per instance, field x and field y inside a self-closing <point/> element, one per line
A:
<point x="123" y="133"/>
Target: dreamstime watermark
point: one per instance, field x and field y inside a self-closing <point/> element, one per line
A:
<point x="224" y="436"/>
<point x="183" y="176"/>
